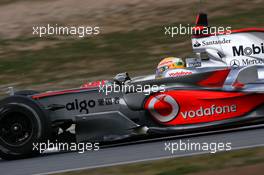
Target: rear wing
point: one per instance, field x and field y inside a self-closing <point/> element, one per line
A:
<point x="201" y="20"/>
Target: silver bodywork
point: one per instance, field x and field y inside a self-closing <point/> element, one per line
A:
<point x="96" y="114"/>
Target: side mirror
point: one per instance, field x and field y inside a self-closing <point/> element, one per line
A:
<point x="215" y="54"/>
<point x="247" y="75"/>
<point x="121" y="78"/>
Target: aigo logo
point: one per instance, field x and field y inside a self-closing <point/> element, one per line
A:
<point x="163" y="107"/>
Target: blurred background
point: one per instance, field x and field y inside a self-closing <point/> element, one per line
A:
<point x="131" y="37"/>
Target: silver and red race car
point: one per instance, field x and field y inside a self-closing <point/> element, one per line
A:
<point x="222" y="87"/>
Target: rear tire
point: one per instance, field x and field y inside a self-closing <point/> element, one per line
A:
<point x="22" y="123"/>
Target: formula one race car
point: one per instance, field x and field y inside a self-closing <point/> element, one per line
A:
<point x="225" y="89"/>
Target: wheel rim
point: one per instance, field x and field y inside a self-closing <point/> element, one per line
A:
<point x="15" y="128"/>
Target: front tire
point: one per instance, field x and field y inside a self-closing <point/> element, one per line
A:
<point x="22" y="123"/>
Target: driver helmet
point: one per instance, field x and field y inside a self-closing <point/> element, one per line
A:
<point x="168" y="64"/>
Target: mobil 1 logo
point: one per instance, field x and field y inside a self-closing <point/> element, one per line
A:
<point x="254" y="49"/>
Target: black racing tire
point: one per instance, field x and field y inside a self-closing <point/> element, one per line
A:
<point x="8" y="156"/>
<point x="22" y="122"/>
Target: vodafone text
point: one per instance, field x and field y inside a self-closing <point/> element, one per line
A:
<point x="180" y="73"/>
<point x="209" y="111"/>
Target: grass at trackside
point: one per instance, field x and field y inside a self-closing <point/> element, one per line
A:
<point x="184" y="165"/>
<point x="122" y="51"/>
<point x="134" y="51"/>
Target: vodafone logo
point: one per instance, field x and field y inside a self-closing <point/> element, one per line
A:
<point x="163" y="107"/>
<point x="176" y="74"/>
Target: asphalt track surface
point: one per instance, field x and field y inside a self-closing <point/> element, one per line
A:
<point x="136" y="151"/>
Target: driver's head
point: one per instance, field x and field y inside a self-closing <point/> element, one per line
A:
<point x="169" y="63"/>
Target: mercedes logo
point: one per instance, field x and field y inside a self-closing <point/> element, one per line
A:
<point x="234" y="63"/>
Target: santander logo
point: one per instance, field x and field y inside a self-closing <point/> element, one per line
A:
<point x="163" y="108"/>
